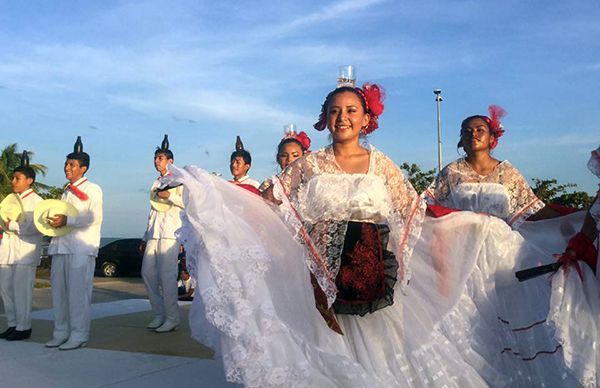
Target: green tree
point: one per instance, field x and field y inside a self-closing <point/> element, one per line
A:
<point x="10" y="158"/>
<point x="550" y="191"/>
<point x="51" y="192"/>
<point x="418" y="178"/>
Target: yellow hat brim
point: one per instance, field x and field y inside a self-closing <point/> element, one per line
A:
<point x="159" y="204"/>
<point x="11" y="208"/>
<point x="50" y="208"/>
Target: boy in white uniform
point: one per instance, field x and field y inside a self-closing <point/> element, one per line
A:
<point x="240" y="163"/>
<point x="74" y="254"/>
<point x="159" y="266"/>
<point x="20" y="256"/>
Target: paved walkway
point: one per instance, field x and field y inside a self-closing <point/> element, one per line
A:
<point x="121" y="353"/>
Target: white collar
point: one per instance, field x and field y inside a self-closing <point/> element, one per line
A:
<point x="25" y="193"/>
<point x="79" y="181"/>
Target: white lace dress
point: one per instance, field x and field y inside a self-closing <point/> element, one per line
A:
<point x="546" y="328"/>
<point x="594" y="167"/>
<point x="255" y="304"/>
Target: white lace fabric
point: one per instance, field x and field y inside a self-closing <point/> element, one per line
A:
<point x="503" y="193"/>
<point x="594" y="166"/>
<point x="256" y="307"/>
<point x="325" y="196"/>
<point x="594" y="162"/>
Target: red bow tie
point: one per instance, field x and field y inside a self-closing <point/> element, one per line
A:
<point x="78" y="193"/>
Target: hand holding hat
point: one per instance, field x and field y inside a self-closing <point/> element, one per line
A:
<point x="11" y="209"/>
<point x="50" y="217"/>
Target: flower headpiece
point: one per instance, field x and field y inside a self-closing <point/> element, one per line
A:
<point x="301" y="138"/>
<point x="372" y="95"/>
<point x="496" y="128"/>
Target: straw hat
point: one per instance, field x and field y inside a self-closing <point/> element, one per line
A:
<point x="11" y="208"/>
<point x="50" y="208"/>
<point x="159" y="204"/>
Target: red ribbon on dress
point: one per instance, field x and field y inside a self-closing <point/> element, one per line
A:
<point x="569" y="260"/>
<point x="584" y="250"/>
<point x="78" y="193"/>
<point x="438" y="211"/>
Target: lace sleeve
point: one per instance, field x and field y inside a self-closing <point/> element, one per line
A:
<point x="408" y="211"/>
<point x="522" y="201"/>
<point x="292" y="178"/>
<point x="438" y="191"/>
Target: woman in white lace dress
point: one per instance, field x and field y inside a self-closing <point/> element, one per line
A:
<point x="350" y="224"/>
<point x="546" y="328"/>
<point x="291" y="147"/>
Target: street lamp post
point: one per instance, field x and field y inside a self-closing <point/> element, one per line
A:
<point x="438" y="99"/>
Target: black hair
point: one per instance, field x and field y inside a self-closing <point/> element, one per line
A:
<point x="25" y="170"/>
<point x="243" y="154"/>
<point x="287" y="141"/>
<point x="484" y="118"/>
<point x="343" y="89"/>
<point x="82" y="157"/>
<point x="167" y="153"/>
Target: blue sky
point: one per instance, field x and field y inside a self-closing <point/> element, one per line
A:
<point x="123" y="73"/>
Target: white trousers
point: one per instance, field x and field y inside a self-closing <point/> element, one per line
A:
<point x="72" y="279"/>
<point x="159" y="271"/>
<point x="16" y="288"/>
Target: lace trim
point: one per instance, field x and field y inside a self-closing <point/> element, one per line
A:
<point x="522" y="200"/>
<point x="317" y="265"/>
<point x="594" y="162"/>
<point x="595" y="212"/>
<point x="527" y="211"/>
<point x="577" y="361"/>
<point x="229" y="308"/>
<point x="407" y="210"/>
<point x="405" y="237"/>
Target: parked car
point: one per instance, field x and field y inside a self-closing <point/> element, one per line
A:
<point x="120" y="257"/>
<point x="45" y="260"/>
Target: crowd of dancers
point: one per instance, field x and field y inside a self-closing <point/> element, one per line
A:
<point x="336" y="272"/>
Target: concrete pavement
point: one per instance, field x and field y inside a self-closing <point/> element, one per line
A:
<point x="121" y="351"/>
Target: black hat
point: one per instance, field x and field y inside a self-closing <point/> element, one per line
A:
<point x="164" y="146"/>
<point x="78" y="147"/>
<point x="24" y="159"/>
<point x="239" y="146"/>
<point x="78" y="154"/>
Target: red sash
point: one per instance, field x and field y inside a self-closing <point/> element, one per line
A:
<point x="78" y="193"/>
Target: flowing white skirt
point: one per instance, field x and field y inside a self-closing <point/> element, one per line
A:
<point x="255" y="306"/>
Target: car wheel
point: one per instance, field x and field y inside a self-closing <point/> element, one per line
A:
<point x="109" y="269"/>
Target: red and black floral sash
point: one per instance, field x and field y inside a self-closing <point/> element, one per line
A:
<point x="367" y="272"/>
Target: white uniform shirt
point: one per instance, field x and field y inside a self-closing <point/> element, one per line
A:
<point x="22" y="241"/>
<point x="246" y="180"/>
<point x="189" y="283"/>
<point x="84" y="239"/>
<point x="164" y="224"/>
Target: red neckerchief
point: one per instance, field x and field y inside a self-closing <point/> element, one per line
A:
<point x="28" y="191"/>
<point x="78" y="193"/>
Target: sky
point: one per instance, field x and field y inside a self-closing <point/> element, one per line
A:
<point x="123" y="73"/>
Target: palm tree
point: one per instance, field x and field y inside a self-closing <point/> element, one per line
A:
<point x="10" y="158"/>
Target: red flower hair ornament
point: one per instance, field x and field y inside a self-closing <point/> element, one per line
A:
<point x="496" y="128"/>
<point x="300" y="137"/>
<point x="373" y="96"/>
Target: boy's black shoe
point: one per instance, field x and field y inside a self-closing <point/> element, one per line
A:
<point x="7" y="332"/>
<point x="19" y="335"/>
